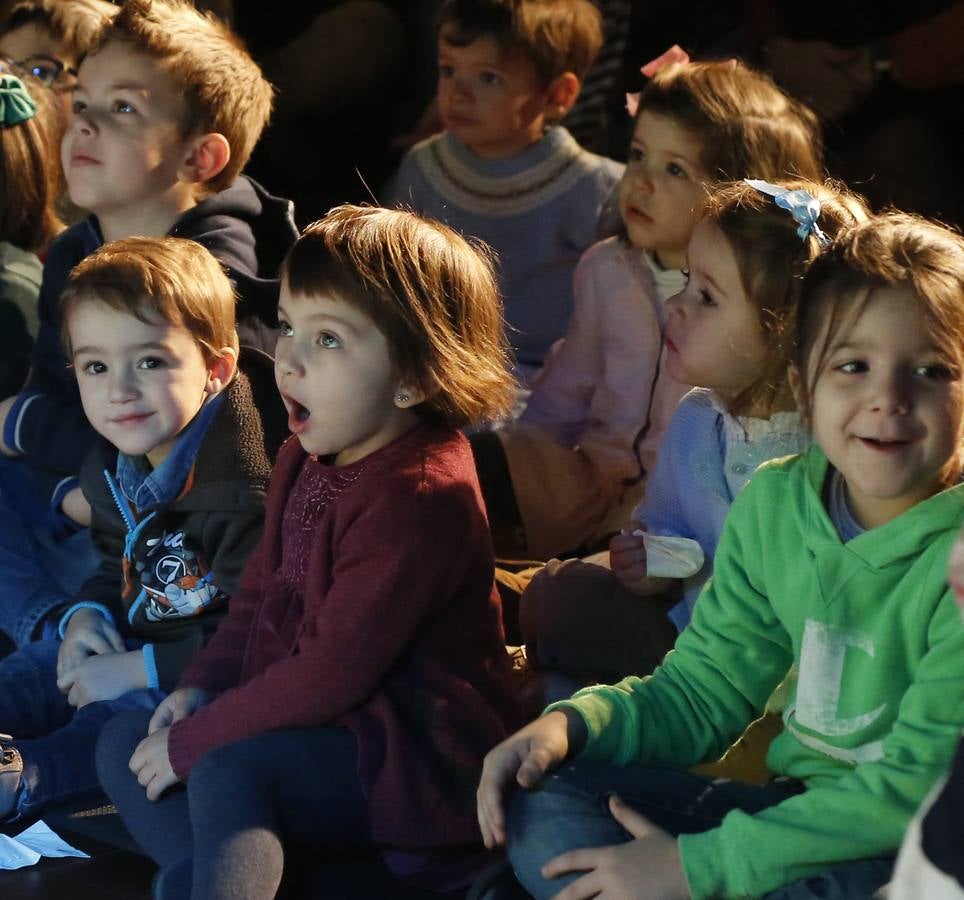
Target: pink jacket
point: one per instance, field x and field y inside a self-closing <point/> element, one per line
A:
<point x="600" y="391"/>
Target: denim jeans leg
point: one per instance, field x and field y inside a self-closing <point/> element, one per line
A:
<point x="31" y="704"/>
<point x="60" y="766"/>
<point x="852" y="881"/>
<point x="571" y="810"/>
<point x="40" y="567"/>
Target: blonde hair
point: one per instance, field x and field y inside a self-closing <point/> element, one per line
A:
<point x="75" y="24"/>
<point x="431" y="293"/>
<point x="174" y="278"/>
<point x="223" y="87"/>
<point x="747" y="126"/>
<point x="555" y="35"/>
<point x="30" y="175"/>
<point x="891" y="249"/>
<point x="772" y="259"/>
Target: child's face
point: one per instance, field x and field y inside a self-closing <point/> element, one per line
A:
<point x="141" y="383"/>
<point x="336" y="378"/>
<point x="124" y="147"/>
<point x="490" y="100"/>
<point x="886" y="410"/>
<point x="713" y="334"/>
<point x="662" y="191"/>
<point x="34" y="47"/>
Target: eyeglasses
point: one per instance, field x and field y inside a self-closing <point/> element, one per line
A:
<point x="45" y="69"/>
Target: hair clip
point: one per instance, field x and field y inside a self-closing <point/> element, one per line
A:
<point x="16" y="104"/>
<point x="675" y="54"/>
<point x="801" y="204"/>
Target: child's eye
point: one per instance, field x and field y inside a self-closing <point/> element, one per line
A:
<point x="94" y="367"/>
<point x="676" y="170"/>
<point x="284" y="329"/>
<point x="937" y="371"/>
<point x="78" y="106"/>
<point x="686" y="274"/>
<point x="706" y="299"/>
<point x="122" y="106"/>
<point x="150" y="362"/>
<point x="328" y="341"/>
<point x="852" y="367"/>
<point x="490" y="79"/>
<point x="635" y="154"/>
<point x="445" y="70"/>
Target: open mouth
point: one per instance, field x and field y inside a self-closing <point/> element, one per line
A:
<point x="297" y="415"/>
<point x="884" y="445"/>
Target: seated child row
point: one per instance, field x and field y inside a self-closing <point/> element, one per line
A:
<point x="368" y="604"/>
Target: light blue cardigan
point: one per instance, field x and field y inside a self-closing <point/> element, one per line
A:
<point x="688" y="494"/>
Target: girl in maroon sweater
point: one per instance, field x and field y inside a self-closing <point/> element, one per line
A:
<point x="349" y="696"/>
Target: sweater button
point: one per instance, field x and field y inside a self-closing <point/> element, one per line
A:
<point x="738" y="468"/>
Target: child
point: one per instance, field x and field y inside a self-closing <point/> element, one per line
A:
<point x="504" y="170"/>
<point x="360" y="674"/>
<point x="177" y="497"/>
<point x="48" y="38"/>
<point x="833" y="561"/>
<point x="167" y="111"/>
<point x="930" y="863"/>
<point x="29" y="181"/>
<point x="575" y="463"/>
<point x="727" y="331"/>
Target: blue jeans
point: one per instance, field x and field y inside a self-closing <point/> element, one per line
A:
<point x="57" y="741"/>
<point x="571" y="810"/>
<point x="42" y="563"/>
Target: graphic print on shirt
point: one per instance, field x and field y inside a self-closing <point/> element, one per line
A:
<point x="177" y="581"/>
<point x="822" y="656"/>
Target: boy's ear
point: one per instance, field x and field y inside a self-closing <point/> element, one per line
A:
<point x="208" y="154"/>
<point x="796" y="388"/>
<point x="221" y="370"/>
<point x="561" y="95"/>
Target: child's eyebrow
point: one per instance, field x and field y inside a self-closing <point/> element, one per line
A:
<point x="709" y="280"/>
<point x="318" y="318"/>
<point x="147" y="345"/>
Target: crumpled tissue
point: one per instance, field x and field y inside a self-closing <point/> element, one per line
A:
<point x="30" y="845"/>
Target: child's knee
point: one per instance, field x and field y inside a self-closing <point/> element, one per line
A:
<point x="117" y="742"/>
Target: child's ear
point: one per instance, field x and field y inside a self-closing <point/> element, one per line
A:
<point x="406" y="397"/>
<point x="796" y="388"/>
<point x="562" y="94"/>
<point x="221" y="370"/>
<point x="207" y="156"/>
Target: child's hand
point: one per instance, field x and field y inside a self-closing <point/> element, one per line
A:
<point x="627" y="559"/>
<point x="88" y="633"/>
<point x="525" y="757"/>
<point x="176" y="706"/>
<point x="151" y="764"/>
<point x="103" y="677"/>
<point x="75" y="507"/>
<point x="649" y="866"/>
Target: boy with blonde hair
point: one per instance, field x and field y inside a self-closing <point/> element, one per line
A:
<point x="167" y="109"/>
<point x="177" y="490"/>
<point x="504" y="170"/>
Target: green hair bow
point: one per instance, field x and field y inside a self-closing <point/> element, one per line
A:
<point x="16" y="104"/>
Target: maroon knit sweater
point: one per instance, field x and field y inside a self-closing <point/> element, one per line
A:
<point x="370" y="603"/>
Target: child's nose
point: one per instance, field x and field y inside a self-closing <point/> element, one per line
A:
<point x="286" y="360"/>
<point x="123" y="387"/>
<point x="82" y="123"/>
<point x="890" y="393"/>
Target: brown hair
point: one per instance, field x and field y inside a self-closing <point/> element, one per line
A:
<point x="222" y="85"/>
<point x="431" y="293"/>
<point x="175" y="278"/>
<point x="75" y="24"/>
<point x="30" y="175"/>
<point x="772" y="259"/>
<point x="747" y="126"/>
<point x="556" y="35"/>
<point x="891" y="249"/>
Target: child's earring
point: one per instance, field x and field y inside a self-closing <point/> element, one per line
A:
<point x="402" y="399"/>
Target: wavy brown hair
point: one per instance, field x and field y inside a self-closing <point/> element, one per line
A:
<point x="30" y="175"/>
<point x="431" y="293"/>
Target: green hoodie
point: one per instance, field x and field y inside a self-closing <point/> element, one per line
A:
<point x="878" y="704"/>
